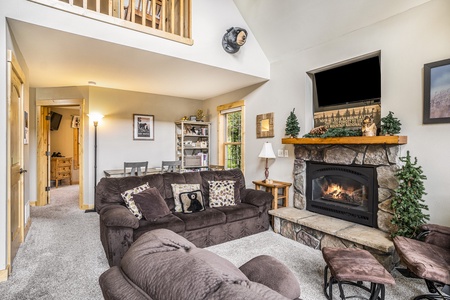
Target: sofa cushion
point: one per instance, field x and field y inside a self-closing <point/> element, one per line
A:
<point x="177" y="189"/>
<point x="239" y="211"/>
<point x="221" y="193"/>
<point x="151" y="204"/>
<point x="202" y="219"/>
<point x="129" y="201"/>
<point x="170" y="222"/>
<point x="192" y="202"/>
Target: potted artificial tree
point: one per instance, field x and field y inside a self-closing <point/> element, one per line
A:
<point x="390" y="125"/>
<point x="407" y="202"/>
<point x="292" y="126"/>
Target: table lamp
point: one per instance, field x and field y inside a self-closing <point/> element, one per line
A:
<point x="267" y="152"/>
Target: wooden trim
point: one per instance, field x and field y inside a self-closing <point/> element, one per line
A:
<point x="355" y="140"/>
<point x="27" y="226"/>
<point x="32" y="203"/>
<point x="86" y="207"/>
<point x="4" y="274"/>
<point x="221" y="128"/>
<point x="230" y="105"/>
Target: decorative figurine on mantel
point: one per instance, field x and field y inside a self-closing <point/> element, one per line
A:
<point x="368" y="127"/>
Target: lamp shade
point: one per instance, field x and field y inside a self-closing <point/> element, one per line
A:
<point x="95" y="117"/>
<point x="267" y="151"/>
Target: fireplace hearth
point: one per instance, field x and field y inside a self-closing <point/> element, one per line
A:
<point x="341" y="191"/>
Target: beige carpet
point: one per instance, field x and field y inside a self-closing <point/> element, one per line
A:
<point x="62" y="256"/>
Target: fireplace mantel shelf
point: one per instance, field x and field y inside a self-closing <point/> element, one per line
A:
<point x="353" y="140"/>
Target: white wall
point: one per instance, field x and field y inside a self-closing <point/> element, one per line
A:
<point x="407" y="42"/>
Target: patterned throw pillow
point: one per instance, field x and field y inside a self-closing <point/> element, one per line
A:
<point x="192" y="202"/>
<point x="129" y="202"/>
<point x="177" y="189"/>
<point x="221" y="193"/>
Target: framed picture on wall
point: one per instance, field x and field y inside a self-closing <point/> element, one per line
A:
<point x="436" y="106"/>
<point x="143" y="127"/>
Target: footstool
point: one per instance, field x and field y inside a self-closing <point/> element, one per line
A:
<point x="353" y="266"/>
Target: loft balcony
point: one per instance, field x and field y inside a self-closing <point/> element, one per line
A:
<point x="170" y="19"/>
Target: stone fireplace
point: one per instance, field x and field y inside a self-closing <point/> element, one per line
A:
<point x="361" y="216"/>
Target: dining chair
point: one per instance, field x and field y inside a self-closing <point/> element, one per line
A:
<point x="136" y="168"/>
<point x="171" y="166"/>
<point x="216" y="167"/>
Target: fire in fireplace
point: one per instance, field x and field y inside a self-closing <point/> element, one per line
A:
<point x="346" y="192"/>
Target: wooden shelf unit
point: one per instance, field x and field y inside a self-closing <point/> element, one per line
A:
<point x="193" y="144"/>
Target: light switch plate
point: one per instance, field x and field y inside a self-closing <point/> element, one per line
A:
<point x="286" y="153"/>
<point x="280" y="153"/>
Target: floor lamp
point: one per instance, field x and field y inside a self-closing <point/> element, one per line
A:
<point x="95" y="117"/>
<point x="267" y="152"/>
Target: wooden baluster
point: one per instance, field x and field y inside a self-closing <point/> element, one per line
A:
<point x="162" y="16"/>
<point x="133" y="10"/>
<point x="85" y="4"/>
<point x="110" y="10"/>
<point x="97" y="6"/>
<point x="144" y="12"/>
<point x="122" y="9"/>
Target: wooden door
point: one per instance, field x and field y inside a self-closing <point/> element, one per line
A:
<point x="15" y="155"/>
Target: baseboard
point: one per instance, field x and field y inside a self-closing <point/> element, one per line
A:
<point x="27" y="227"/>
<point x="32" y="203"/>
<point x="4" y="275"/>
<point x="86" y="206"/>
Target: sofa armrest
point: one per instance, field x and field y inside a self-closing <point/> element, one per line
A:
<point x="118" y="216"/>
<point x="437" y="235"/>
<point x="257" y="197"/>
<point x="116" y="286"/>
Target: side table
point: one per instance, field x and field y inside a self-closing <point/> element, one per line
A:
<point x="279" y="190"/>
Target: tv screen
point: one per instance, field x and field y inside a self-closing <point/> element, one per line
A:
<point x="358" y="81"/>
<point x="55" y="120"/>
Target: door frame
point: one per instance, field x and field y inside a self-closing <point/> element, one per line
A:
<point x="42" y="166"/>
<point x="14" y="67"/>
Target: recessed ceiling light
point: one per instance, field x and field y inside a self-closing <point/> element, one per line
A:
<point x="90" y="82"/>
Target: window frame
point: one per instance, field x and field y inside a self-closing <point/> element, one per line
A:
<point x="222" y="110"/>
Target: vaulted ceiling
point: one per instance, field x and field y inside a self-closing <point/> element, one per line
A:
<point x="282" y="28"/>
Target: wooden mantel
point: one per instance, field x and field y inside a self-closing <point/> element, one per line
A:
<point x="353" y="140"/>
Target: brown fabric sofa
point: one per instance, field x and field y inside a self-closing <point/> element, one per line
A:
<point x="119" y="228"/>
<point x="162" y="265"/>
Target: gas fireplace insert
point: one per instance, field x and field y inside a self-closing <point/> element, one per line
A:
<point x="348" y="192"/>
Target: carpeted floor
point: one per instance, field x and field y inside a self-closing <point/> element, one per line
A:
<point x="62" y="257"/>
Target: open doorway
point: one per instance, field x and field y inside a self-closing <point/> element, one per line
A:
<point x="60" y="147"/>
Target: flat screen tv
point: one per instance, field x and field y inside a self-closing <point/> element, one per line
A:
<point x="55" y="120"/>
<point x="348" y="85"/>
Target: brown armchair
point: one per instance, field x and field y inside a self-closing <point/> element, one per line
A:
<point x="428" y="257"/>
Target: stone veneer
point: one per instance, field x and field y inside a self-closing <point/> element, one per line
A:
<point x="384" y="158"/>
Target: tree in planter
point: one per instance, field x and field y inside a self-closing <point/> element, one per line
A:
<point x="292" y="126"/>
<point x="407" y="202"/>
<point x="390" y="124"/>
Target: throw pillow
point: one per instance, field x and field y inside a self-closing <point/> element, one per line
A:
<point x="181" y="188"/>
<point x="221" y="193"/>
<point x="129" y="202"/>
<point x="192" y="202"/>
<point x="151" y="204"/>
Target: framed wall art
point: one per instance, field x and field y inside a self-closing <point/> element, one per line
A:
<point x="264" y="125"/>
<point x="436" y="96"/>
<point x="143" y="127"/>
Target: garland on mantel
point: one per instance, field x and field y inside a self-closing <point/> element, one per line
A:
<point x="322" y="132"/>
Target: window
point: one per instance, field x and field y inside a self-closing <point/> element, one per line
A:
<point x="231" y="135"/>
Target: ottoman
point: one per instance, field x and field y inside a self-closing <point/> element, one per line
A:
<point x="354" y="266"/>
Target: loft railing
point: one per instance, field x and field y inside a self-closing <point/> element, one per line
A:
<point x="169" y="19"/>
